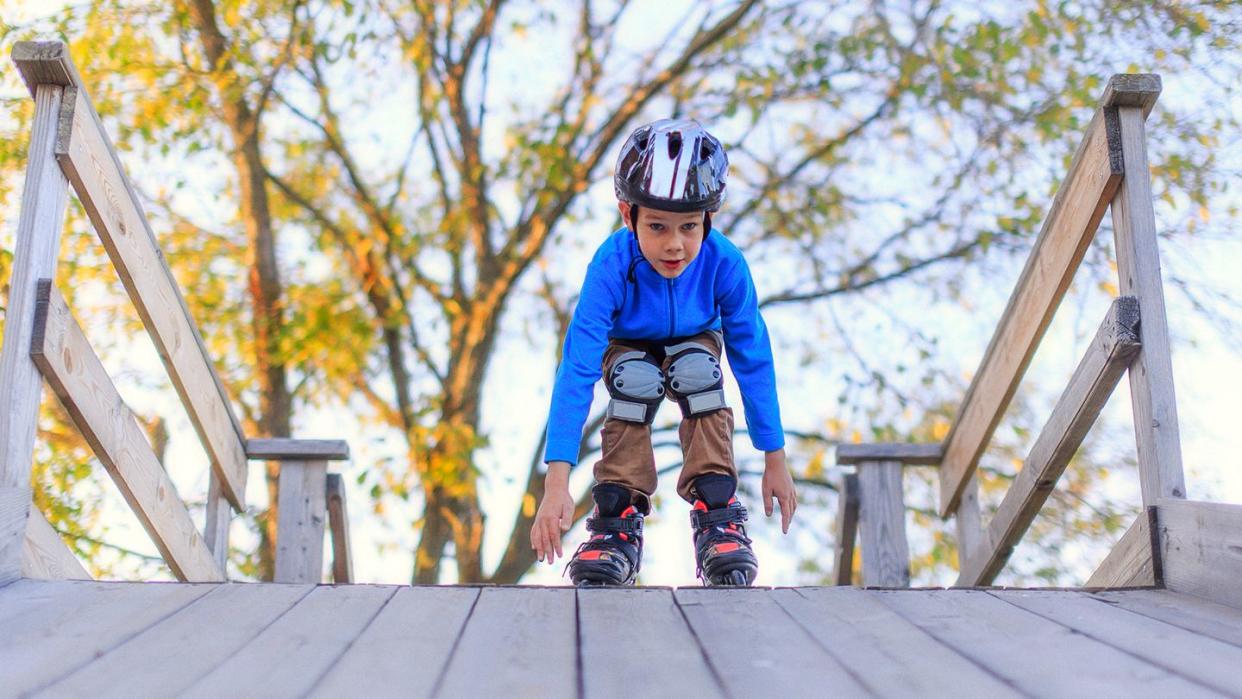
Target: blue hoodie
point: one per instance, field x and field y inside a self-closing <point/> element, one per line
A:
<point x="624" y="297"/>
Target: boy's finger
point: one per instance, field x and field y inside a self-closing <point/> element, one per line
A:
<point x="787" y="510"/>
<point x="767" y="501"/>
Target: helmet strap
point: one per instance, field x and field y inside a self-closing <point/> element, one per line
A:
<point x="634" y="217"/>
<point x="707" y="223"/>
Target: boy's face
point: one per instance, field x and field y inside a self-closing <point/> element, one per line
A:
<point x="670" y="241"/>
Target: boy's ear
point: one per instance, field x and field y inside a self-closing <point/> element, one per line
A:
<point x="624" y="208"/>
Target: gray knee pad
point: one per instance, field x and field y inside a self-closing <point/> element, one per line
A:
<point x="636" y="385"/>
<point x="694" y="379"/>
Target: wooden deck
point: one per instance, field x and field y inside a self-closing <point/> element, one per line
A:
<point x="115" y="639"/>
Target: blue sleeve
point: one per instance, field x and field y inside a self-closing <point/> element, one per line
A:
<point x="750" y="355"/>
<point x="581" y="360"/>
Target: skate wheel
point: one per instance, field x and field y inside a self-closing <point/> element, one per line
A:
<point x="738" y="578"/>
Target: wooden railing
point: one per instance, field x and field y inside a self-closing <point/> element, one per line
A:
<point x="1165" y="544"/>
<point x="69" y="147"/>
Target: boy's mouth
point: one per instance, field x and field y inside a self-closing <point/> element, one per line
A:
<point x="670" y="265"/>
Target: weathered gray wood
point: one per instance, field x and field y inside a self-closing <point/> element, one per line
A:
<point x="39" y="225"/>
<point x="338" y="524"/>
<point x="882" y="521"/>
<point x="44" y="63"/>
<point x="1138" y="271"/>
<point x="1037" y="656"/>
<point x="46" y="642"/>
<point x="300" y="527"/>
<point x="45" y="555"/>
<point x="89" y="161"/>
<point x="908" y="454"/>
<point x="298" y="449"/>
<point x="1201" y="548"/>
<point x="1204" y="660"/>
<point x="889" y="655"/>
<point x="617" y="629"/>
<point x="968" y="521"/>
<point x="167" y="657"/>
<point x="1080" y="203"/>
<point x="1135" y="560"/>
<point x="75" y="374"/>
<point x="290" y="655"/>
<point x="518" y="642"/>
<point x="847" y="530"/>
<point x="1193" y="613"/>
<point x="1101" y="368"/>
<point x="402" y="652"/>
<point x="219" y="514"/>
<point x="754" y="646"/>
<point x="1132" y="90"/>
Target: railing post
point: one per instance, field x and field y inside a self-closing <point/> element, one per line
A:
<point x="302" y="511"/>
<point x="847" y="531"/>
<point x="968" y="522"/>
<point x="885" y="553"/>
<point x="21" y="386"/>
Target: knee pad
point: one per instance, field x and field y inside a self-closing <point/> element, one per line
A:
<point x="694" y="379"/>
<point x="636" y="385"/>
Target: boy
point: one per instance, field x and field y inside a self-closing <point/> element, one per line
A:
<point x="662" y="298"/>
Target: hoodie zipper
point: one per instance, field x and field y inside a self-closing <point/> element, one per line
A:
<point x="672" y="310"/>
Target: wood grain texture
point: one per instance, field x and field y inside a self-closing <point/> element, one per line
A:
<point x="79" y="380"/>
<point x="45" y="555"/>
<point x="300" y="527"/>
<point x="1187" y="611"/>
<point x="36" y="247"/>
<point x="527" y="640"/>
<point x="1201" y="548"/>
<point x="91" y="164"/>
<point x="45" y="642"/>
<point x="1076" y="211"/>
<point x="298" y="449"/>
<point x="290" y="655"/>
<point x="1135" y="560"/>
<point x="338" y="525"/>
<point x="888" y="654"/>
<point x="1111" y="351"/>
<point x="1037" y="656"/>
<point x="847" y="530"/>
<point x="968" y="521"/>
<point x="882" y="524"/>
<point x="1138" y="272"/>
<point x="219" y="515"/>
<point x="1201" y="659"/>
<point x="44" y="63"/>
<point x="402" y="652"/>
<point x="754" y="646"/>
<point x="616" y="629"/>
<point x="159" y="661"/>
<point x="909" y="454"/>
<point x="1132" y="90"/>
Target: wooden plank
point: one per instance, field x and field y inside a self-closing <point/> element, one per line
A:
<point x="45" y="555"/>
<point x="882" y="521"/>
<point x="37" y="245"/>
<point x="167" y="657"/>
<point x="1135" y="560"/>
<point x="525" y="638"/>
<point x="402" y="652"/>
<point x="888" y="654"/>
<point x="302" y="513"/>
<point x="48" y="642"/>
<point x="847" y="530"/>
<point x="289" y="656"/>
<point x="1035" y="655"/>
<point x="968" y="521"/>
<point x="78" y="378"/>
<point x="1101" y="368"/>
<point x="1201" y="548"/>
<point x="1132" y="90"/>
<point x="1076" y="210"/>
<point x="1204" y="660"/>
<point x="219" y="515"/>
<point x="87" y="158"/>
<point x="338" y="524"/>
<point x="908" y="454"/>
<point x="617" y="629"/>
<point x="44" y="63"/>
<point x="298" y="449"/>
<point x="1138" y="272"/>
<point x="757" y="649"/>
<point x="1193" y="613"/>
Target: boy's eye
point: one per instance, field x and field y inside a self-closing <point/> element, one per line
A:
<point x="656" y="226"/>
<point x="689" y="226"/>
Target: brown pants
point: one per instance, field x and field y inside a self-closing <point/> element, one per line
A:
<point x="706" y="440"/>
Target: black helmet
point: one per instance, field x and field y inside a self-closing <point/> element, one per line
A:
<point x="672" y="165"/>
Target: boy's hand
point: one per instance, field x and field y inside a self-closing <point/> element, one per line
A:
<point x="779" y="484"/>
<point x="555" y="515"/>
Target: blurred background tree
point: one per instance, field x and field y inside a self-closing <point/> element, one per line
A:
<point x="384" y="208"/>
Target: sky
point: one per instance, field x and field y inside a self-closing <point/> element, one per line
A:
<point x="1207" y="375"/>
